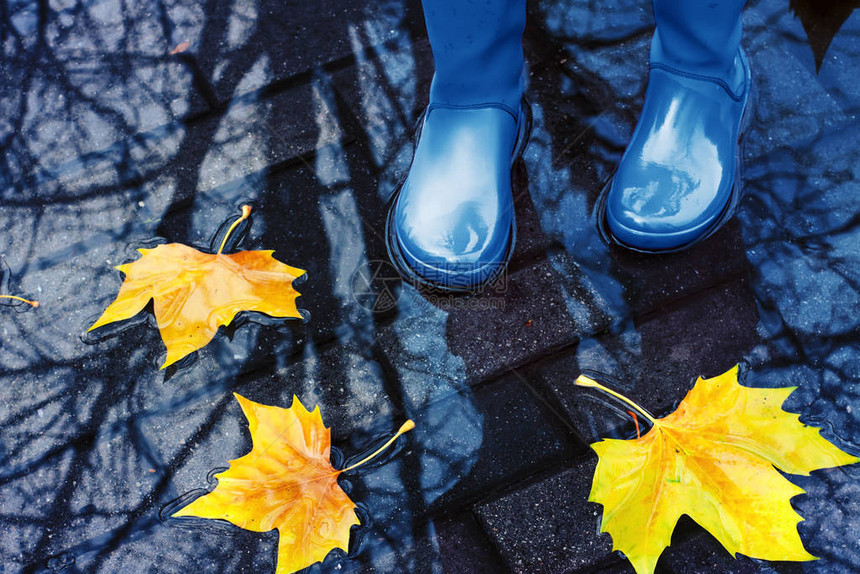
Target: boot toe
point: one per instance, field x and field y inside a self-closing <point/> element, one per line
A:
<point x="458" y="249"/>
<point x="678" y="180"/>
<point x="660" y="209"/>
<point x="453" y="220"/>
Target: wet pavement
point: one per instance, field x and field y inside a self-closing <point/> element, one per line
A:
<point x="124" y="122"/>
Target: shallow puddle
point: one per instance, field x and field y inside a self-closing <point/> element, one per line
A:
<point x="126" y="126"/>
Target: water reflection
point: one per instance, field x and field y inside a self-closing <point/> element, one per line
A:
<point x="107" y="139"/>
<point x="822" y="21"/>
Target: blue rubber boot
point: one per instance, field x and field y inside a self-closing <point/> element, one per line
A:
<point x="679" y="179"/>
<point x="451" y="223"/>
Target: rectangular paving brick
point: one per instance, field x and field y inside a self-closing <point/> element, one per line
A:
<point x="549" y="526"/>
<point x="464" y="547"/>
<point x="237" y="146"/>
<point x="386" y="94"/>
<point x="655" y="362"/>
<point x="531" y="242"/>
<point x="655" y="282"/>
<point x="523" y="318"/>
<point x="250" y="136"/>
<point x="695" y="551"/>
<point x="519" y="437"/>
<point x="344" y="375"/>
<point x="253" y="45"/>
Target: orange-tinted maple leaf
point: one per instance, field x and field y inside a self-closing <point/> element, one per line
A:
<point x="196" y="292"/>
<point x="286" y="483"/>
<point x="715" y="459"/>
<point x="181" y="47"/>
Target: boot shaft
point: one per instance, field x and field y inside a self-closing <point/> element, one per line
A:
<point x="477" y="49"/>
<point x="700" y="37"/>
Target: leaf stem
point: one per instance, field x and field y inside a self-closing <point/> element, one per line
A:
<point x="246" y="211"/>
<point x="35" y="304"/>
<point x="405" y="427"/>
<point x="635" y="422"/>
<point x="584" y="381"/>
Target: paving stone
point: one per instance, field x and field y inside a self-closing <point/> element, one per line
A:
<point x="203" y="156"/>
<point x="694" y="550"/>
<point x="531" y="242"/>
<point x="98" y="488"/>
<point x="650" y="286"/>
<point x="104" y="79"/>
<point x="614" y="565"/>
<point x="344" y="375"/>
<point x="705" y="335"/>
<point x="464" y="547"/>
<point x="255" y="134"/>
<point x="524" y="317"/>
<point x="108" y="139"/>
<point x="239" y="141"/>
<point x="233" y="154"/>
<point x="587" y="278"/>
<point x="520" y="438"/>
<point x="548" y="526"/>
<point x="385" y="95"/>
<point x="251" y="45"/>
<point x="181" y="548"/>
<point x="655" y="362"/>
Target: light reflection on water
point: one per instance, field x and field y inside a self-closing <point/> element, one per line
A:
<point x="124" y="143"/>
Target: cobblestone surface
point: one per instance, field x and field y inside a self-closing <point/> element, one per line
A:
<point x="124" y="122"/>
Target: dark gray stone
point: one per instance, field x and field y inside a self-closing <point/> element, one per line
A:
<point x="522" y="319"/>
<point x="464" y="547"/>
<point x="548" y="526"/>
<point x="307" y="111"/>
<point x="244" y="47"/>
<point x="693" y="550"/>
<point x="520" y="438"/>
<point x="655" y="362"/>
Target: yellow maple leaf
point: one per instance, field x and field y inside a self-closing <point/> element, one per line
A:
<point x="195" y="292"/>
<point x="286" y="483"/>
<point x="713" y="459"/>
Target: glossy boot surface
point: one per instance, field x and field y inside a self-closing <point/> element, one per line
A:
<point x="451" y="222"/>
<point x="678" y="180"/>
